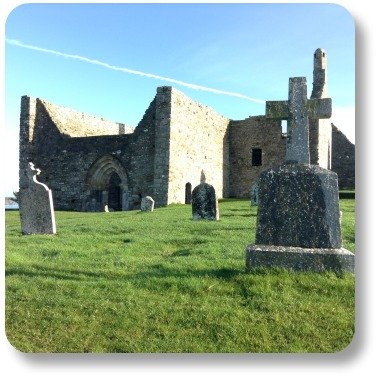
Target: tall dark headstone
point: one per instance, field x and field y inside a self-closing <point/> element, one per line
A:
<point x="204" y="202"/>
<point x="298" y="218"/>
<point x="255" y="194"/>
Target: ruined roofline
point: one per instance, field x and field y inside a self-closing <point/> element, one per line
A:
<point x="337" y="130"/>
<point x="74" y="123"/>
<point x="177" y="93"/>
<point x="77" y="124"/>
<point x="258" y="116"/>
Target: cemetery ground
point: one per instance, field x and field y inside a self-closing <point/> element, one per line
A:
<point x="161" y="282"/>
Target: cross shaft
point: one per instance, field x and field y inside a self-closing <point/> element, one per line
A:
<point x="297" y="110"/>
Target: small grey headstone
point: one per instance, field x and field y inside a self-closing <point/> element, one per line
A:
<point x="204" y="202"/>
<point x="36" y="206"/>
<point x="147" y="204"/>
<point x="255" y="194"/>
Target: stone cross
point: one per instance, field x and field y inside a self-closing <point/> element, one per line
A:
<point x="297" y="111"/>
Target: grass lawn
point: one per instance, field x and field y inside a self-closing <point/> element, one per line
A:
<point x="160" y="282"/>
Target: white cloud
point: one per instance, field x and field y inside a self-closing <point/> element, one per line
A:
<point x="344" y="119"/>
<point x="130" y="71"/>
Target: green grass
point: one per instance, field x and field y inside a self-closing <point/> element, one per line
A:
<point x="160" y="282"/>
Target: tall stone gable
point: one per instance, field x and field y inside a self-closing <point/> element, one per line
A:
<point x="89" y="162"/>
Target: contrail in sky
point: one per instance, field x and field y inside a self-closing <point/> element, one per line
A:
<point x="15" y="42"/>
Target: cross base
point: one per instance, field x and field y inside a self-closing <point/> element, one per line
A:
<point x="299" y="259"/>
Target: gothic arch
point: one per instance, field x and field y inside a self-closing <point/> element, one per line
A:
<point x="101" y="171"/>
<point x="107" y="185"/>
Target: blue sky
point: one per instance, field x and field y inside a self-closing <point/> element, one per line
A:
<point x="248" y="49"/>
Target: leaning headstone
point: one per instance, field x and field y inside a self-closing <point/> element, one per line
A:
<point x="204" y="202"/>
<point x="255" y="194"/>
<point x="298" y="218"/>
<point x="36" y="205"/>
<point x="147" y="204"/>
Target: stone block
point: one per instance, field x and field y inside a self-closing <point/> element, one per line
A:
<point x="299" y="259"/>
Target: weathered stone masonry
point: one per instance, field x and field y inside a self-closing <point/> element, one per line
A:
<point x="245" y="136"/>
<point x="176" y="140"/>
<point x="89" y="162"/>
<point x="67" y="159"/>
<point x="198" y="143"/>
<point x="343" y="158"/>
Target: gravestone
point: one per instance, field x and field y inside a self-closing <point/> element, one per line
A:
<point x="204" y="202"/>
<point x="108" y="209"/>
<point x="255" y="194"/>
<point x="298" y="218"/>
<point x="147" y="204"/>
<point x="36" y="205"/>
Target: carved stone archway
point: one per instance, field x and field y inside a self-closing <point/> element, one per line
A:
<point x="107" y="176"/>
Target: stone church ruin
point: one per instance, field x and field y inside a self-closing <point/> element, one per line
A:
<point x="89" y="162"/>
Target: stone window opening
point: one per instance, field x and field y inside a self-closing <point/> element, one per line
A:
<point x="256" y="157"/>
<point x="283" y="128"/>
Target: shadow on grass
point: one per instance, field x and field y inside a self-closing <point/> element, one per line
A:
<point x="211" y="231"/>
<point x="182" y="252"/>
<point x="160" y="271"/>
<point x="239" y="215"/>
<point x="62" y="274"/>
<point x="155" y="271"/>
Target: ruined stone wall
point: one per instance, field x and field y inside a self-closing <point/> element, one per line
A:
<point x="343" y="158"/>
<point x="198" y="142"/>
<point x="27" y="122"/>
<point x="175" y="141"/>
<point x="78" y="124"/>
<point x="253" y="132"/>
<point x="65" y="172"/>
<point x="141" y="155"/>
<point x="162" y="143"/>
<point x="65" y="160"/>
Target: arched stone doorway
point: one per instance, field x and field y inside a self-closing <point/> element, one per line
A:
<point x="107" y="184"/>
<point x="114" y="192"/>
